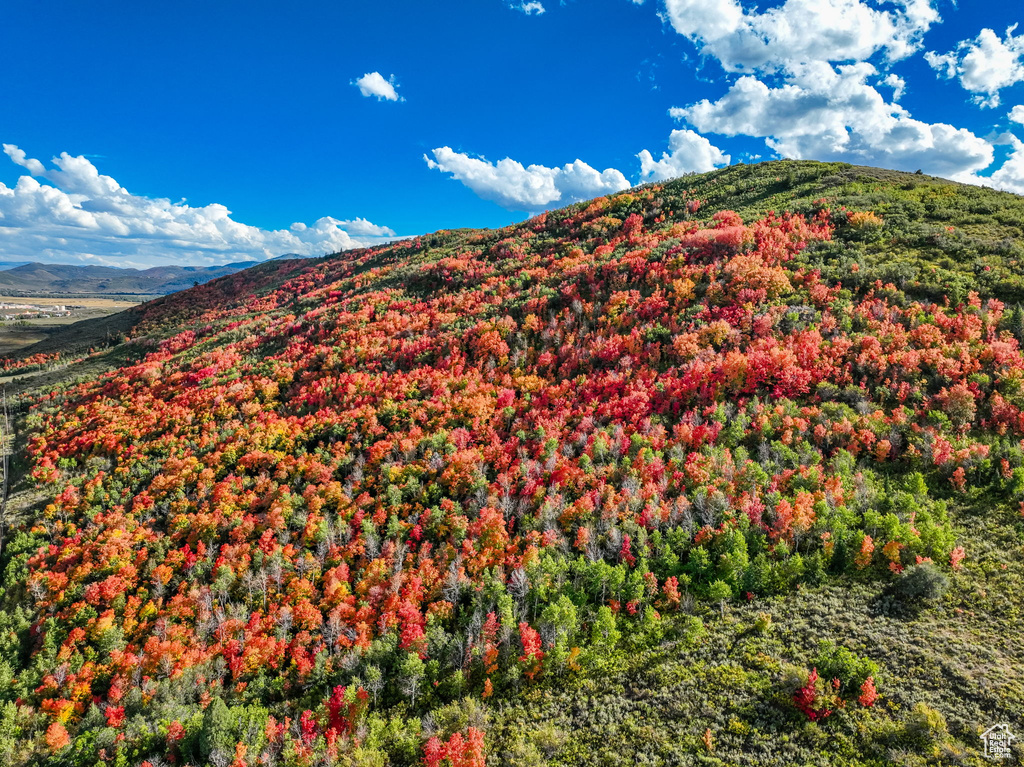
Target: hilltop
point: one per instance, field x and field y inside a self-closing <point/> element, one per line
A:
<point x="723" y="470"/>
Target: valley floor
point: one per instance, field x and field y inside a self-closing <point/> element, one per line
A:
<point x="18" y="334"/>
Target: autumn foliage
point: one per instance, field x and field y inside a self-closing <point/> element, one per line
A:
<point x="397" y="458"/>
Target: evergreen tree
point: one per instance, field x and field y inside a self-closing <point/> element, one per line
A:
<point x="217" y="735"/>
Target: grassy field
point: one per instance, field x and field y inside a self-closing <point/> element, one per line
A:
<point x="107" y="304"/>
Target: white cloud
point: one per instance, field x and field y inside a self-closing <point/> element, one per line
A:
<point x="898" y="85"/>
<point x="689" y="152"/>
<point x="943" y="63"/>
<point x="984" y="65"/>
<point x="531" y="8"/>
<point x="360" y="227"/>
<point x="81" y="216"/>
<point x="823" y="113"/>
<point x="374" y="84"/>
<point x="800" y="31"/>
<point x="1017" y="114"/>
<point x="532" y="188"/>
<point x="17" y="155"/>
<point x="1010" y="175"/>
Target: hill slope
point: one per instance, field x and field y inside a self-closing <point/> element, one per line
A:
<point x="663" y="477"/>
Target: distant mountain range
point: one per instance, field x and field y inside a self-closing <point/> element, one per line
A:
<point x="36" y="278"/>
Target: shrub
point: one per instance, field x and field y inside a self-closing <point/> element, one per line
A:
<point x="924" y="582"/>
<point x="763" y="623"/>
<point x="836" y="662"/>
<point x="925" y="728"/>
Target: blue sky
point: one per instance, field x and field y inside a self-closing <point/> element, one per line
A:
<point x="132" y="129"/>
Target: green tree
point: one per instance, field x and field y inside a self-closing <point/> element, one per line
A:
<point x="9" y="732"/>
<point x="411" y="673"/>
<point x="217" y="735"/>
<point x="720" y="592"/>
<point x="561" y="619"/>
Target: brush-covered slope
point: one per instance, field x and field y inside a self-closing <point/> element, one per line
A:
<point x="676" y="476"/>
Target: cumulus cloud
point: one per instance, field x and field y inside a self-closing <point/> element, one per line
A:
<point x="1017" y="114"/>
<point x="984" y="65"/>
<point x="82" y="216"/>
<point x="374" y="84"/>
<point x="531" y="188"/>
<point x="689" y="152"/>
<point x="1010" y="175"/>
<point x="823" y="113"/>
<point x="800" y="31"/>
<point x="18" y="156"/>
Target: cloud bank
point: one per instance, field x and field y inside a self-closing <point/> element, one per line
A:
<point x="807" y="87"/>
<point x="84" y="217"/>
<point x="823" y="113"/>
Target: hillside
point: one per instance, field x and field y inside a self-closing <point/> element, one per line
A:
<point x="57" y="279"/>
<point x="725" y="470"/>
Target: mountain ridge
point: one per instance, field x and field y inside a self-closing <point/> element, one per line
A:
<point x="40" y="278"/>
